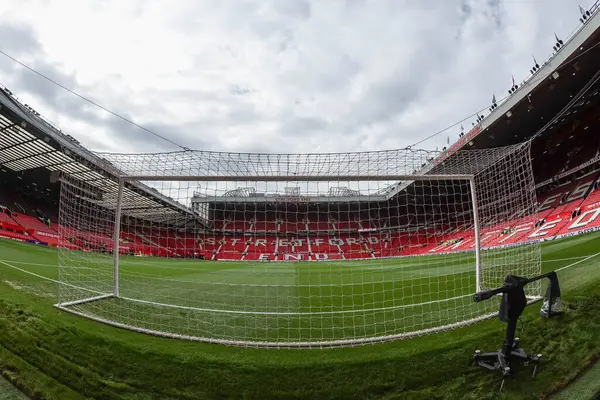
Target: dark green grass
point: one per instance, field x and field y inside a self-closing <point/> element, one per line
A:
<point x="586" y="386"/>
<point x="60" y="356"/>
<point x="9" y="392"/>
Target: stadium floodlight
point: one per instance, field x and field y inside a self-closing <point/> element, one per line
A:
<point x="367" y="247"/>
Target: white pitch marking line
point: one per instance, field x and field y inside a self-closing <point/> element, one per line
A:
<point x="362" y="310"/>
<point x="47" y="278"/>
<point x="28" y="272"/>
<point x="578" y="262"/>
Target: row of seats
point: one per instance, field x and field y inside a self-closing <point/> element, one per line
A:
<point x="563" y="195"/>
<point x="23" y="227"/>
<point x="283" y="225"/>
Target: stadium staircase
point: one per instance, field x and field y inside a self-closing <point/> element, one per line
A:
<point x="163" y="251"/>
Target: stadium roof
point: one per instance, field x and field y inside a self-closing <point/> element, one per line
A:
<point x="548" y="91"/>
<point x="24" y="146"/>
<point x="28" y="141"/>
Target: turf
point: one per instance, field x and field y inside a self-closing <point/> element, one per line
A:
<point x="9" y="392"/>
<point x="56" y="355"/>
<point x="585" y="387"/>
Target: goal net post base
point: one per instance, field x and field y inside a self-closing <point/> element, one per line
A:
<point x="83" y="301"/>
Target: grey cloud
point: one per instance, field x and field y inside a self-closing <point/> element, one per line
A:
<point x="243" y="115"/>
<point x="145" y="142"/>
<point x="424" y="65"/>
<point x="354" y="3"/>
<point x="69" y="106"/>
<point x="239" y="89"/>
<point x="295" y="9"/>
<point x="465" y="9"/>
<point x="17" y="39"/>
<point x="295" y="127"/>
<point x="495" y="12"/>
<point x="384" y="101"/>
<point x="42" y="88"/>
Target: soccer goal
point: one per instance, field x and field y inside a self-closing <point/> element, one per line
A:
<point x="296" y="250"/>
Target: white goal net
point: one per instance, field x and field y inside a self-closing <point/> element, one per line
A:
<point x="296" y="250"/>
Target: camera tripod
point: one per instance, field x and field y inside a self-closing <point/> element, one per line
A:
<point x="513" y="303"/>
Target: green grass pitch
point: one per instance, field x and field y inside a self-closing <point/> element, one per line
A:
<point x="52" y="353"/>
<point x="281" y="302"/>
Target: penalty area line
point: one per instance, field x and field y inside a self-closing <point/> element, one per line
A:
<point x="298" y="313"/>
<point x="29" y="272"/>
<point x="49" y="279"/>
<point x="578" y="262"/>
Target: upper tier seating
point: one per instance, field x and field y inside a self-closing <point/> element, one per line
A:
<point x="5" y="218"/>
<point x="33" y="223"/>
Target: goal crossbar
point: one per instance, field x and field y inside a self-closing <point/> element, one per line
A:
<point x="297" y="178"/>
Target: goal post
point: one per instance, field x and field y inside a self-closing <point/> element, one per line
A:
<point x="296" y="250"/>
<point x="117" y="235"/>
<point x="477" y="233"/>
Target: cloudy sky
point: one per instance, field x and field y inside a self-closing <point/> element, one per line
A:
<point x="272" y="75"/>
